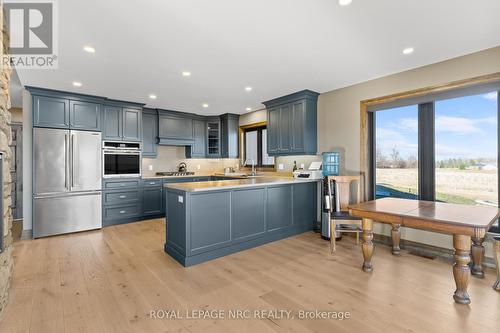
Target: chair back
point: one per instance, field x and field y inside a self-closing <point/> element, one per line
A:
<point x="343" y="190"/>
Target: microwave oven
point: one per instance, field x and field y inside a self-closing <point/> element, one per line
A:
<point x="121" y="159"/>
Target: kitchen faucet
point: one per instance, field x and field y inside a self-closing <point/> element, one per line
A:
<point x="253" y="166"/>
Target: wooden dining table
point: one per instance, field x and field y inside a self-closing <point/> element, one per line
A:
<point x="468" y="224"/>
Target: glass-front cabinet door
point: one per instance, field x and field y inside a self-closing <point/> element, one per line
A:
<point x="213" y="138"/>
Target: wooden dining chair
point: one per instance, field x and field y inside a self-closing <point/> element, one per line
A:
<point x="342" y="218"/>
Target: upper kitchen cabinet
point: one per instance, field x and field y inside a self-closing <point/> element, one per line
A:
<point x="112" y="123"/>
<point x="132" y="124"/>
<point x="149" y="132"/>
<point x="85" y="115"/>
<point x="122" y="121"/>
<point x="175" y="128"/>
<point x="292" y="124"/>
<point x="229" y="135"/>
<point x="198" y="148"/>
<point x="57" y="109"/>
<point x="213" y="137"/>
<point x="50" y="112"/>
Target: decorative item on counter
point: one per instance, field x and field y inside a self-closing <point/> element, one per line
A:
<point x="331" y="163"/>
<point x="182" y="167"/>
<point x="294" y="166"/>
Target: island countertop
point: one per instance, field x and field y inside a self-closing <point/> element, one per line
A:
<point x="236" y="183"/>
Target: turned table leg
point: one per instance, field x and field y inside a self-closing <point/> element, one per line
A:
<point x="367" y="245"/>
<point x="496" y="254"/>
<point x="396" y="239"/>
<point x="477" y="257"/>
<point x="461" y="269"/>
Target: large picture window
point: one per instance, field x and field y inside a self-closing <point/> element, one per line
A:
<point x="444" y="149"/>
<point x="397" y="152"/>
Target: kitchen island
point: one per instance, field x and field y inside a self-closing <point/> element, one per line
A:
<point x="207" y="220"/>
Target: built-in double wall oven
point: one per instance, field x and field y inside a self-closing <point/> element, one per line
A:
<point x="121" y="159"/>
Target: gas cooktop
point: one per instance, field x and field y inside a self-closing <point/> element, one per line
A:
<point x="175" y="173"/>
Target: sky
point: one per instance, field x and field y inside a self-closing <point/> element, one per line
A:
<point x="466" y="127"/>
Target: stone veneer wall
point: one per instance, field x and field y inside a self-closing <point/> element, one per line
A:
<point x="6" y="260"/>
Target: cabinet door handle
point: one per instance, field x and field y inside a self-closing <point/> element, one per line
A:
<point x="123" y="211"/>
<point x="123" y="196"/>
<point x="152" y="183"/>
<point x="122" y="185"/>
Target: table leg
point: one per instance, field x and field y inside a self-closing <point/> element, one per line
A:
<point x="477" y="257"/>
<point x="367" y="245"/>
<point x="396" y="239"/>
<point x="461" y="269"/>
<point x="333" y="246"/>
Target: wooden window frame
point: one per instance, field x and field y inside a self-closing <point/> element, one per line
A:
<point x="368" y="123"/>
<point x="248" y="128"/>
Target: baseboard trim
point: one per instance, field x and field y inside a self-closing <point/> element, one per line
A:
<point x="427" y="251"/>
<point x="27" y="234"/>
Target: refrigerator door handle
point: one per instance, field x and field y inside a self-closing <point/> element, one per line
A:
<point x="66" y="162"/>
<point x="65" y="195"/>
<point x="72" y="160"/>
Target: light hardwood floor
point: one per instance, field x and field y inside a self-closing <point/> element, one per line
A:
<point x="110" y="280"/>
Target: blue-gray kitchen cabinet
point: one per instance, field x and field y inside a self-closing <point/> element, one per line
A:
<point x="132" y="124"/>
<point x="175" y="128"/>
<point x="203" y="225"/>
<point x="292" y="124"/>
<point x="121" y="200"/>
<point x="85" y="115"/>
<point x="112" y="123"/>
<point x="229" y="135"/>
<point x="273" y="132"/>
<point x="50" y="112"/>
<point x="213" y="137"/>
<point x="55" y="109"/>
<point x="122" y="121"/>
<point x="198" y="148"/>
<point x="152" y="201"/>
<point x="149" y="133"/>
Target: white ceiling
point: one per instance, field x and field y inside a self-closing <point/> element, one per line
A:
<point x="275" y="46"/>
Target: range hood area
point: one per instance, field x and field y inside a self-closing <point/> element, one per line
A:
<point x="202" y="136"/>
<point x="175" y="129"/>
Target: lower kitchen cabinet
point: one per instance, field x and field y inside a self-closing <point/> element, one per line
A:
<point x="126" y="200"/>
<point x="121" y="214"/>
<point x="152" y="201"/>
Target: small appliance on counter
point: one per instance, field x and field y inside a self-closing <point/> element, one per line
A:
<point x="313" y="172"/>
<point x="182" y="167"/>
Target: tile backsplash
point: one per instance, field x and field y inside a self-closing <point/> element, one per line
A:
<point x="169" y="158"/>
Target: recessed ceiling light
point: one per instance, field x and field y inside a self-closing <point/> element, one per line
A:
<point x="248" y="88"/>
<point x="77" y="84"/>
<point x="408" y="50"/>
<point x="248" y="109"/>
<point x="345" y="2"/>
<point x="89" y="49"/>
<point x="152" y="96"/>
<point x="186" y="73"/>
<point x="205" y="105"/>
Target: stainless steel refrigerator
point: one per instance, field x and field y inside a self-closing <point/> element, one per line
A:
<point x="66" y="181"/>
